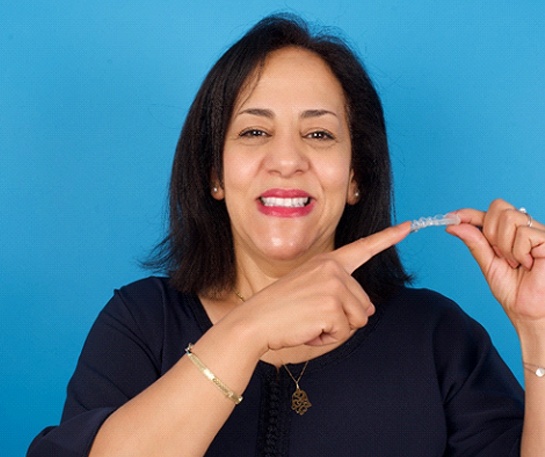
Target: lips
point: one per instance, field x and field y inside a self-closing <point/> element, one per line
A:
<point x="285" y="203"/>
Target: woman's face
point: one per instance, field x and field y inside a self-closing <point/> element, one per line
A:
<point x="287" y="160"/>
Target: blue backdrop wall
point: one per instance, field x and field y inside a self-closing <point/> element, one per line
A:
<point x="92" y="97"/>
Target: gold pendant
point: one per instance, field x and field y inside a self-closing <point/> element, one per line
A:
<point x="300" y="402"/>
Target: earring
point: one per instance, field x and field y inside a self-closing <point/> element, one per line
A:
<point x="215" y="189"/>
<point x="357" y="194"/>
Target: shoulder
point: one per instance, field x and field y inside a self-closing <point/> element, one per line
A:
<point x="155" y="315"/>
<point x="426" y="325"/>
<point x="424" y="302"/>
<point x="148" y="302"/>
<point x="153" y="289"/>
<point x="427" y="311"/>
<point x="152" y="286"/>
<point x="143" y="295"/>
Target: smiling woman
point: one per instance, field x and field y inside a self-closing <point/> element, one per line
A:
<point x="286" y="291"/>
<point x="238" y="104"/>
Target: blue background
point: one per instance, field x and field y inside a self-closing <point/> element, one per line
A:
<point x="92" y="97"/>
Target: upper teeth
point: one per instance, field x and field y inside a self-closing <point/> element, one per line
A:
<point x="285" y="202"/>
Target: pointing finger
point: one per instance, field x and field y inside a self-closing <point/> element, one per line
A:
<point x="355" y="254"/>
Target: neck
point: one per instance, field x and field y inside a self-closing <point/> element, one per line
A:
<point x="255" y="272"/>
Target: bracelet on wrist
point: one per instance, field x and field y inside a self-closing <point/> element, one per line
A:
<point x="539" y="371"/>
<point x="236" y="399"/>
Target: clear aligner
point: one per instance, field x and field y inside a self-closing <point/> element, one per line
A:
<point x="435" y="221"/>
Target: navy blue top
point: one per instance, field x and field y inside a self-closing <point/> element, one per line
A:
<point x="420" y="379"/>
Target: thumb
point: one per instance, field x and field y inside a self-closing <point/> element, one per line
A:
<point x="469" y="232"/>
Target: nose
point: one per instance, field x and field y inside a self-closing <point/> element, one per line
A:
<point x="286" y="155"/>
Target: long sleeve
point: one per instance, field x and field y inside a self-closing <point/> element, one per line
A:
<point x="117" y="347"/>
<point x="482" y="400"/>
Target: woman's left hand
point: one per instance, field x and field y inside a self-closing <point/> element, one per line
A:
<point x="509" y="247"/>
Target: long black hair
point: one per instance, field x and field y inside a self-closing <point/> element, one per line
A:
<point x="197" y="252"/>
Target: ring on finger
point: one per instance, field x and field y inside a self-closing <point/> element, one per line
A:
<point x="530" y="220"/>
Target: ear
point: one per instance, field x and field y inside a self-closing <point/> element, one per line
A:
<point x="353" y="192"/>
<point x="216" y="190"/>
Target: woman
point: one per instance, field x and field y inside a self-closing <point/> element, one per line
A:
<point x="285" y="285"/>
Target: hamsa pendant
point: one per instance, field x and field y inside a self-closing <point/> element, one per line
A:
<point x="300" y="402"/>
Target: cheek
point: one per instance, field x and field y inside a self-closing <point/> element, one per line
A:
<point x="240" y="181"/>
<point x="336" y="174"/>
<point x="237" y="170"/>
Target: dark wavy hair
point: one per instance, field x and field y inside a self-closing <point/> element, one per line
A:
<point x="197" y="252"/>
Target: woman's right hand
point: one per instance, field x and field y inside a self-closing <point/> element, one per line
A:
<point x="319" y="303"/>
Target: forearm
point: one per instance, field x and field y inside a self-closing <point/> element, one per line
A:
<point x="181" y="413"/>
<point x="533" y="355"/>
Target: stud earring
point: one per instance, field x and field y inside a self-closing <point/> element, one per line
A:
<point x="357" y="194"/>
<point x="215" y="189"/>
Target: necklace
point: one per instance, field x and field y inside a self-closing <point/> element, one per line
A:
<point x="299" y="399"/>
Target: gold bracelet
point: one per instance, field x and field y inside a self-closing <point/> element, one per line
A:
<point x="236" y="399"/>
<point x="536" y="369"/>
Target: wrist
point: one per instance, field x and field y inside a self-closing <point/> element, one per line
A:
<point x="238" y="327"/>
<point x="532" y="341"/>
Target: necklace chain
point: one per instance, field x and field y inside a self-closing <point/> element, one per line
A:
<point x="299" y="399"/>
<point x="296" y="381"/>
<point x="240" y="296"/>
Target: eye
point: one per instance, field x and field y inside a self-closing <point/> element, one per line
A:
<point x="253" y="133"/>
<point x="321" y="135"/>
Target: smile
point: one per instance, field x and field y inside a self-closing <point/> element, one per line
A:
<point x="285" y="202"/>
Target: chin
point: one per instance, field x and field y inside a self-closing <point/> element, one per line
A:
<point x="286" y="251"/>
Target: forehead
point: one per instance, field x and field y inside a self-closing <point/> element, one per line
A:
<point x="292" y="75"/>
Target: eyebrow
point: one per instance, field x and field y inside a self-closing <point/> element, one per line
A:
<point x="258" y="112"/>
<point x="317" y="113"/>
<point x="307" y="114"/>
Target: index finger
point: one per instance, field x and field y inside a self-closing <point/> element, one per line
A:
<point x="354" y="255"/>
